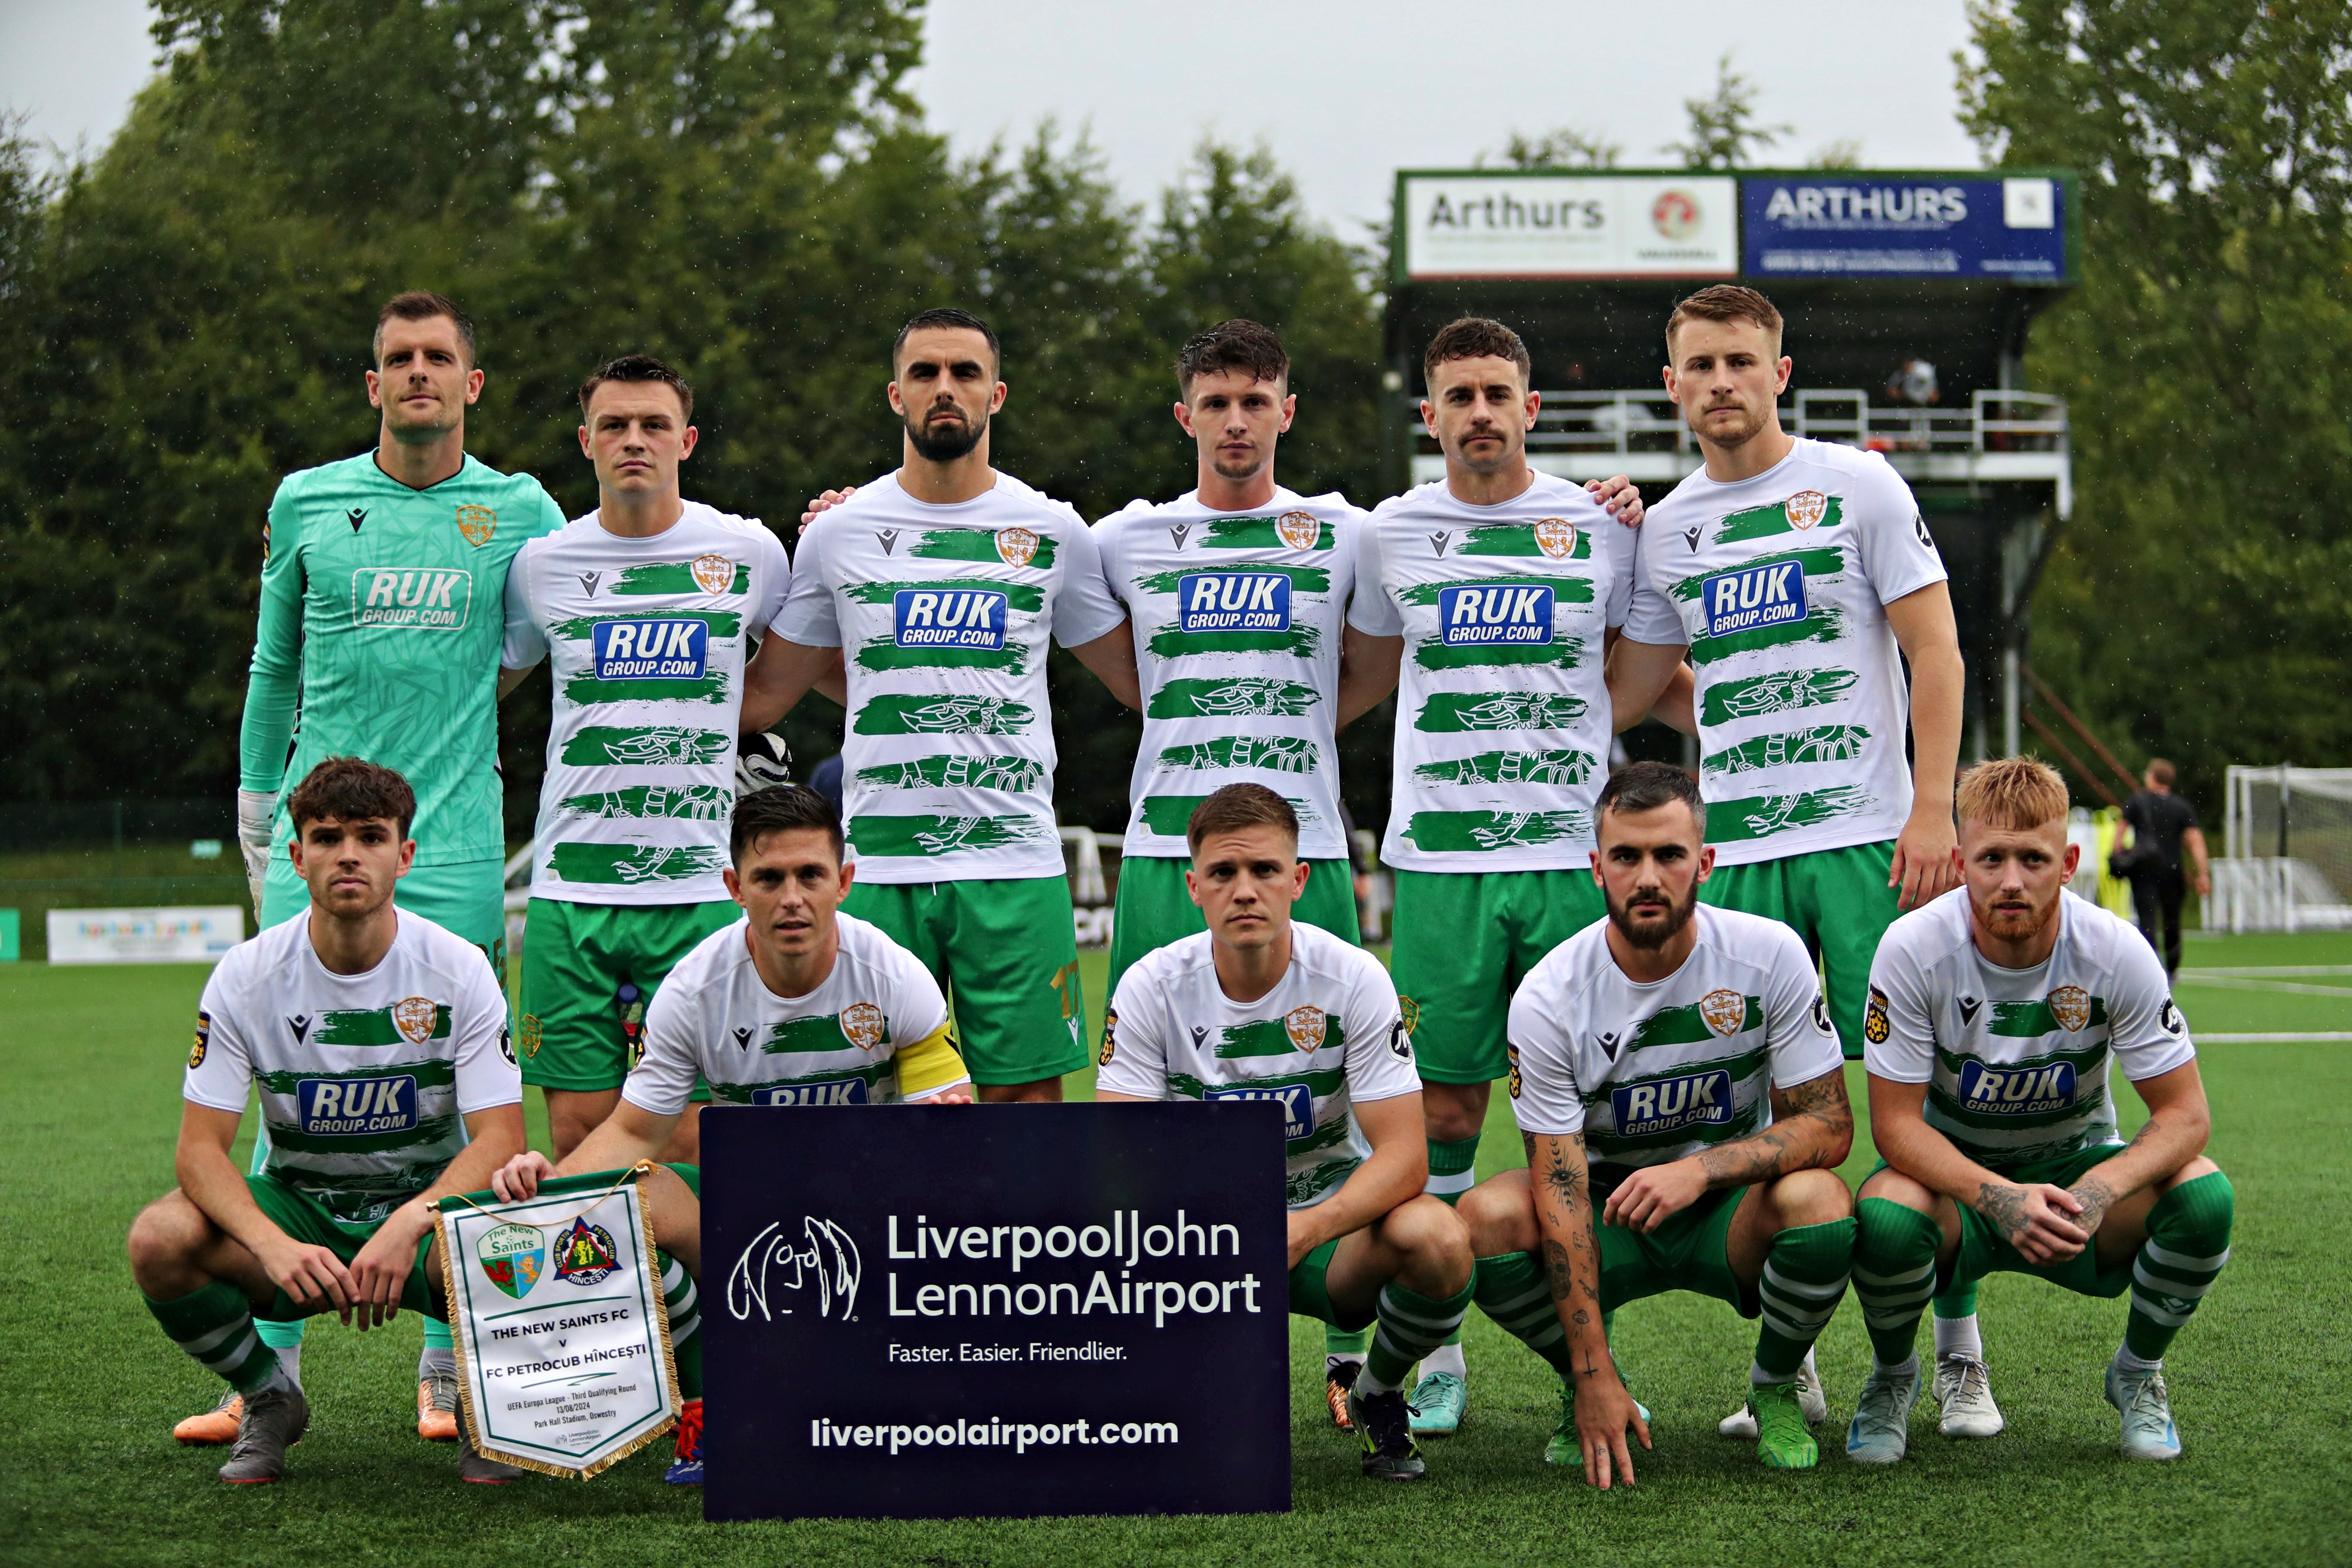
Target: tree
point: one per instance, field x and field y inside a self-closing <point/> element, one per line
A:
<point x="1570" y="147"/>
<point x="1723" y="125"/>
<point x="2200" y="601"/>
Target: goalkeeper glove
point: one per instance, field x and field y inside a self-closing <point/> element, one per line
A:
<point x="256" y="815"/>
<point x="760" y="762"/>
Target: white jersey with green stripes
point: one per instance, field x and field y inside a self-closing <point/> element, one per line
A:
<point x="2015" y="1060"/>
<point x="1656" y="1071"/>
<point x="1503" y="716"/>
<point x="1779" y="586"/>
<point x="1238" y="619"/>
<point x="715" y="1016"/>
<point x="1330" y="1036"/>
<point x="944" y="616"/>
<point x="365" y="1079"/>
<point x="646" y="640"/>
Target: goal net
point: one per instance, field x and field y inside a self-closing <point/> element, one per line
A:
<point x="2286" y="861"/>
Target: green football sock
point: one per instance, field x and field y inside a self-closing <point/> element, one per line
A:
<point x="1959" y="1301"/>
<point x="215" y="1326"/>
<point x="1509" y="1289"/>
<point x="1452" y="1168"/>
<point x="1347" y="1344"/>
<point x="1894" y="1274"/>
<point x="1804" y="1277"/>
<point x="278" y="1336"/>
<point x="685" y="1326"/>
<point x="1411" y="1325"/>
<point x="436" y="1336"/>
<point x="2188" y="1242"/>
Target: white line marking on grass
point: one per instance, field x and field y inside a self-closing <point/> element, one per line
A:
<point x="2263" y="972"/>
<point x="2275" y="987"/>
<point x="2324" y="1036"/>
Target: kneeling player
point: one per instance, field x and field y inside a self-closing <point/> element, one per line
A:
<point x="1260" y="1006"/>
<point x="792" y="1004"/>
<point x="1649" y="1044"/>
<point x="371" y="1032"/>
<point x="1994" y="1013"/>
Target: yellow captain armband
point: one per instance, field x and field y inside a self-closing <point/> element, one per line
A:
<point x="930" y="1063"/>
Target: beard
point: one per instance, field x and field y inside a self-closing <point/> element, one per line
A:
<point x="1649" y="935"/>
<point x="1751" y="424"/>
<point x="945" y="446"/>
<point x="1495" y="464"/>
<point x="2014" y="925"/>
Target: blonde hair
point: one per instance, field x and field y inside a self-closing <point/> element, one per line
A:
<point x="2012" y="793"/>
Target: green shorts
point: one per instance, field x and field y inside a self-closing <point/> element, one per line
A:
<point x="1310" y="1294"/>
<point x="1006" y="952"/>
<point x="306" y="1219"/>
<point x="468" y="897"/>
<point x="1689" y="1251"/>
<point x="1154" y="908"/>
<point x="1838" y="900"/>
<point x="575" y="959"/>
<point x="1465" y="940"/>
<point x="1984" y="1250"/>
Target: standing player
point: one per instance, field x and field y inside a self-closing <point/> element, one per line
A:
<point x="1798" y="577"/>
<point x="1260" y="1006"/>
<point x="380" y="581"/>
<point x="1685" y="1052"/>
<point x="1238" y="595"/>
<point x="791" y="1003"/>
<point x="1498" y="593"/>
<point x="649" y="606"/>
<point x="1995" y="1013"/>
<point x="941" y="584"/>
<point x="378" y="1042"/>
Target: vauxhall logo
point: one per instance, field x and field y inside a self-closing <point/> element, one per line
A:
<point x="1769" y="594"/>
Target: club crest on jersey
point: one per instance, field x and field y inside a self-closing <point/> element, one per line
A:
<point x="824" y="1091"/>
<point x="204" y="1038"/>
<point x="1671" y="1104"/>
<point x="414" y="1017"/>
<point x="2017" y="1092"/>
<point x="1299" y="530"/>
<point x="1875" y="1024"/>
<point x="651" y="650"/>
<point x="2071" y="1005"/>
<point x="861" y="1025"/>
<point x="1298" y="1104"/>
<point x="584" y="1255"/>
<point x="949" y="617"/>
<point x="1305" y="1027"/>
<point x="714" y="574"/>
<point x="530" y="1038"/>
<point x="477" y="524"/>
<point x="1233" y="601"/>
<point x="1725" y="1011"/>
<point x="1770" y="594"/>
<point x="353" y="1107"/>
<point x="1556" y="537"/>
<point x="1472" y="615"/>
<point x="1015" y="546"/>
<point x="1805" y="508"/>
<point x="513" y="1258"/>
<point x="1411" y="1012"/>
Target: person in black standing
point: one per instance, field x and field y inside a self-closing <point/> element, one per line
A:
<point x="2163" y="824"/>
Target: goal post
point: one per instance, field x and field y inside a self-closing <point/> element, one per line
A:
<point x="2286" y="859"/>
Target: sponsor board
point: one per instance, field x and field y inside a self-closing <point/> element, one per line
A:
<point x="1027" y="1341"/>
<point x="194" y="934"/>
<point x="1847" y="223"/>
<point x="1492" y="224"/>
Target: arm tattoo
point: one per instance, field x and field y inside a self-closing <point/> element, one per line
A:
<point x="2005" y="1207"/>
<point x="1566" y="1183"/>
<point x="1783" y="1146"/>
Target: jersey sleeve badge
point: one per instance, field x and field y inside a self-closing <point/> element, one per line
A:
<point x="1111" y="1039"/>
<point x="1512" y="1052"/>
<point x="204" y="1038"/>
<point x="531" y="1037"/>
<point x="1875" y="1024"/>
<point x="1821" y="1012"/>
<point x="1412" y="1011"/>
<point x="477" y="524"/>
<point x="2168" y="1018"/>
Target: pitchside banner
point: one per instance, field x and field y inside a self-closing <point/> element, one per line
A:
<point x="1846" y="223"/>
<point x="935" y="1311"/>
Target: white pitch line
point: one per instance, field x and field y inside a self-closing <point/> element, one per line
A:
<point x="2265" y="971"/>
<point x="2279" y="987"/>
<point x="2325" y="1035"/>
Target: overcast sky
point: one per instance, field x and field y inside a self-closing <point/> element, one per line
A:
<point x="1345" y="91"/>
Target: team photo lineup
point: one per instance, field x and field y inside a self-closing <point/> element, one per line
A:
<point x="1667" y="972"/>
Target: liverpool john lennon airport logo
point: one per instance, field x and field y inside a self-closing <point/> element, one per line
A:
<point x="584" y="1255"/>
<point x="513" y="1258"/>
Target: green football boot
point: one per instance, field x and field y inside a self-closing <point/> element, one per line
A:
<point x="1782" y="1440"/>
<point x="1439" y="1401"/>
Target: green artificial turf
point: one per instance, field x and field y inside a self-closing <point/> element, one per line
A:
<point x="90" y="1475"/>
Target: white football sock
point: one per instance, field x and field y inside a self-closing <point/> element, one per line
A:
<point x="1447" y="1359"/>
<point x="2126" y="1361"/>
<point x="290" y="1358"/>
<point x="1959" y="1336"/>
<point x="1368" y="1385"/>
<point x="432" y="1359"/>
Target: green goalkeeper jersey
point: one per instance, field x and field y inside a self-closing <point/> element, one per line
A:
<point x="382" y="612"/>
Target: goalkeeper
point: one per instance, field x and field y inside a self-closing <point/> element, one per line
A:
<point x="381" y="580"/>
